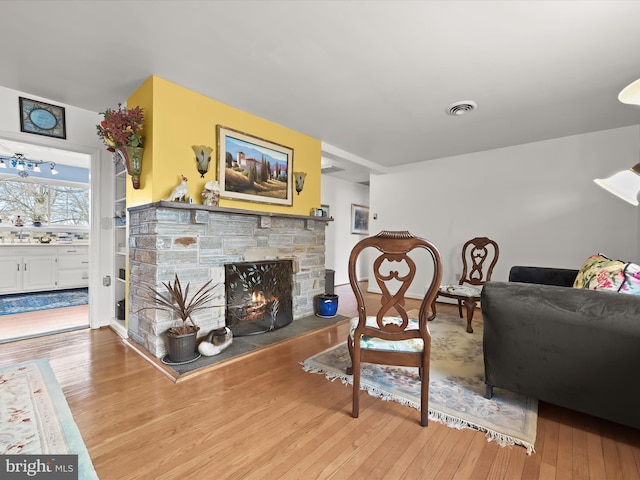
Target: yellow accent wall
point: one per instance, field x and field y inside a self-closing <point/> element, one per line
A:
<point x="177" y="118"/>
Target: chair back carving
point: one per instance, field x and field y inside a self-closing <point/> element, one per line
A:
<point x="394" y="272"/>
<point x="479" y="256"/>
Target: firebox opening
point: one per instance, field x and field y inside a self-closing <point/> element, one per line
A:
<point x="258" y="296"/>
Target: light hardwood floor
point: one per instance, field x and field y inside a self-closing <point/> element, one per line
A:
<point x="43" y="322"/>
<point x="263" y="417"/>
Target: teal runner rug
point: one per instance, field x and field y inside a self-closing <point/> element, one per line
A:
<point x="35" y="418"/>
<point x="31" y="302"/>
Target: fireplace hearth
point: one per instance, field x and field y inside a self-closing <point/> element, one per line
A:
<point x="258" y="296"/>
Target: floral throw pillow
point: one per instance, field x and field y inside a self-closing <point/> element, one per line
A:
<point x="602" y="273"/>
<point x="631" y="283"/>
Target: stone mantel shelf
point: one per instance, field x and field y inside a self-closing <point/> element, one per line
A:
<point x="237" y="211"/>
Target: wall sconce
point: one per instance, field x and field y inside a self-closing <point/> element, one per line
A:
<point x="299" y="177"/>
<point x="203" y="158"/>
<point x="625" y="184"/>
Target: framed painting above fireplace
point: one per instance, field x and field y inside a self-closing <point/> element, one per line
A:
<point x="254" y="169"/>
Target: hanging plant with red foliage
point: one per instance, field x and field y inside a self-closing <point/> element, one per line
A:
<point x="121" y="128"/>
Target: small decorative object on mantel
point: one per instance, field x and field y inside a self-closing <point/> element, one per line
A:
<point x="179" y="192"/>
<point x="299" y="176"/>
<point x="203" y="158"/>
<point x="121" y="132"/>
<point x="211" y="193"/>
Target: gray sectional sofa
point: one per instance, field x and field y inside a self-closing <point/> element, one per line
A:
<point x="576" y="348"/>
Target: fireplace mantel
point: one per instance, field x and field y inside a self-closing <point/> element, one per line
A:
<point x="196" y="241"/>
<point x="235" y="211"/>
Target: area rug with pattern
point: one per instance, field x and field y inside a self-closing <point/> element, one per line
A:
<point x="35" y="418"/>
<point x="456" y="386"/>
<point x="31" y="302"/>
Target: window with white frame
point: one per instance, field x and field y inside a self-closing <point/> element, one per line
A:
<point x="50" y="202"/>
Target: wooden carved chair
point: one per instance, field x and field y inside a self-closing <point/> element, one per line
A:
<point x="384" y="334"/>
<point x="479" y="256"/>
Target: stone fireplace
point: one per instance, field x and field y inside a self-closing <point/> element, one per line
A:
<point x="197" y="242"/>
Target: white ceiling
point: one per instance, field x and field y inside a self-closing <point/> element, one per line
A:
<point x="371" y="79"/>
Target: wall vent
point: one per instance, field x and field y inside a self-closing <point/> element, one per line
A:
<point x="331" y="169"/>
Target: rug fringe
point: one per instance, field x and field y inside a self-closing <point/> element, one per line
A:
<point x="440" y="417"/>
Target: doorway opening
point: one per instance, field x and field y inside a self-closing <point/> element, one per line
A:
<point x="45" y="221"/>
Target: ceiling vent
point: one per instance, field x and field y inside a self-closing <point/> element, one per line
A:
<point x="461" y="108"/>
<point x="331" y="169"/>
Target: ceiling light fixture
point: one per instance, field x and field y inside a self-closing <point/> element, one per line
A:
<point x="461" y="108"/>
<point x="631" y="93"/>
<point x="24" y="165"/>
<point x="625" y="184"/>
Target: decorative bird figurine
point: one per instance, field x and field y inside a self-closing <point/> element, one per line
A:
<point x="179" y="192"/>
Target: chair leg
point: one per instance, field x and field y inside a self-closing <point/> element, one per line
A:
<point x="349" y="369"/>
<point x="471" y="306"/>
<point x="355" y="412"/>
<point x="424" y="396"/>
<point x="460" y="308"/>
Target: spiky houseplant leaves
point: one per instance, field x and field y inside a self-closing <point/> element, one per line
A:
<point x="176" y="301"/>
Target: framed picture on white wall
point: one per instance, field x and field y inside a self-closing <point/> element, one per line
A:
<point x="359" y="219"/>
<point x="42" y="118"/>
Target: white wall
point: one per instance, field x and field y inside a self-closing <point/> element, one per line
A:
<point x="81" y="137"/>
<point x="537" y="200"/>
<point x="339" y="195"/>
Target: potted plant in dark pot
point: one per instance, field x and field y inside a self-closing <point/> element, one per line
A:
<point x="182" y="337"/>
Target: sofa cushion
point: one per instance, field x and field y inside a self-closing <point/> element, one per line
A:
<point x="600" y="272"/>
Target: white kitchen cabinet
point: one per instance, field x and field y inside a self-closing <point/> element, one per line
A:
<point x="11" y="278"/>
<point x="38" y="268"/>
<point x="73" y="267"/>
<point x="39" y="272"/>
<point x="26" y="272"/>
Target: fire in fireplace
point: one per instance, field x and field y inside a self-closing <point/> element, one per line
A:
<point x="258" y="296"/>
